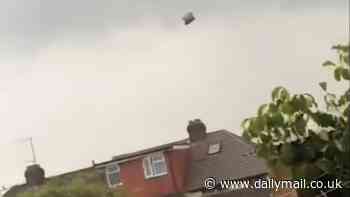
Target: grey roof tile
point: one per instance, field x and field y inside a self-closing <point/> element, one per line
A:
<point x="232" y="162"/>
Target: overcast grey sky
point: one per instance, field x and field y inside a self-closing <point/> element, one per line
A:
<point x="89" y="79"/>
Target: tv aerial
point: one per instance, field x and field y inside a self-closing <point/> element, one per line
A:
<point x="29" y="140"/>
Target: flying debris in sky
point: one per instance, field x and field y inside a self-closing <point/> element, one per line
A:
<point x="188" y="18"/>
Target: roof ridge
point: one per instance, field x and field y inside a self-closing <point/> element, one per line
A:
<point x="169" y="143"/>
<point x="155" y="148"/>
<point x="236" y="137"/>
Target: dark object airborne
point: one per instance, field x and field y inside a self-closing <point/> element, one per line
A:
<point x="188" y="18"/>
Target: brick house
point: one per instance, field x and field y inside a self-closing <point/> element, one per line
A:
<point x="173" y="170"/>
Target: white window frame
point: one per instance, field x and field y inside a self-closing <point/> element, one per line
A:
<point x="149" y="164"/>
<point x="108" y="173"/>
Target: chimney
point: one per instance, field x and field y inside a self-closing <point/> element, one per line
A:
<point x="35" y="175"/>
<point x="196" y="130"/>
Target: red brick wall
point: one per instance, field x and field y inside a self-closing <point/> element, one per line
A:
<point x="133" y="179"/>
<point x="179" y="166"/>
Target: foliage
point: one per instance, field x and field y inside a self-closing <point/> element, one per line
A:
<point x="293" y="130"/>
<point x="76" y="188"/>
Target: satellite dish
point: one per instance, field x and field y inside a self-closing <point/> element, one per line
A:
<point x="188" y="18"/>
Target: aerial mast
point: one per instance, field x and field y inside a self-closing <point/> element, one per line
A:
<point x="32" y="149"/>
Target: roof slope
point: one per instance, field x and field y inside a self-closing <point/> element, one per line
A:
<point x="144" y="152"/>
<point x="234" y="161"/>
<point x="17" y="189"/>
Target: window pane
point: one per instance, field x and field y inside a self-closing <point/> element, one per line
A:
<point x="159" y="168"/>
<point x="112" y="168"/>
<point x="157" y="157"/>
<point x="147" y="167"/>
<point x="114" y="178"/>
<point x="214" y="148"/>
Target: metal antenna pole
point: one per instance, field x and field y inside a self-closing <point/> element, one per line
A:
<point x="33" y="150"/>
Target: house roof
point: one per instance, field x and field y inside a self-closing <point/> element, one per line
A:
<point x="17" y="189"/>
<point x="68" y="176"/>
<point x="144" y="152"/>
<point x="236" y="160"/>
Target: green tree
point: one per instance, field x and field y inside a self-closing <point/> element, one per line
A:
<point x="293" y="131"/>
<point x="76" y="188"/>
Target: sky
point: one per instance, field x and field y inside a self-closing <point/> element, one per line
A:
<point x="90" y="79"/>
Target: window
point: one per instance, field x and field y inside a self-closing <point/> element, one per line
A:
<point x="113" y="175"/>
<point x="214" y="148"/>
<point x="154" y="165"/>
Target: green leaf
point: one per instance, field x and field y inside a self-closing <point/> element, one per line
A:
<point x="246" y="124"/>
<point x="300" y="124"/>
<point x="276" y="120"/>
<point x="331" y="151"/>
<point x="279" y="93"/>
<point x="308" y="153"/>
<point x="342" y="100"/>
<point x="262" y="109"/>
<point x="324" y="119"/>
<point x="277" y="134"/>
<point x="273" y="108"/>
<point x="275" y="92"/>
<point x="343" y="48"/>
<point x="325" y="165"/>
<point x="262" y="151"/>
<point x="316" y="142"/>
<point x="324" y="135"/>
<point x="287" y="134"/>
<point x="310" y="100"/>
<point x="323" y="86"/>
<point x="265" y="138"/>
<point x="249" y="127"/>
<point x="246" y="136"/>
<point x="346" y="74"/>
<point x="290" y="154"/>
<point x="299" y="102"/>
<point x="346" y="60"/>
<point x="339" y="145"/>
<point x="258" y="124"/>
<point x="284" y="94"/>
<point x="287" y="108"/>
<point x="345" y="141"/>
<point x="346" y="112"/>
<point x="328" y="63"/>
<point x="330" y="100"/>
<point x="338" y="73"/>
